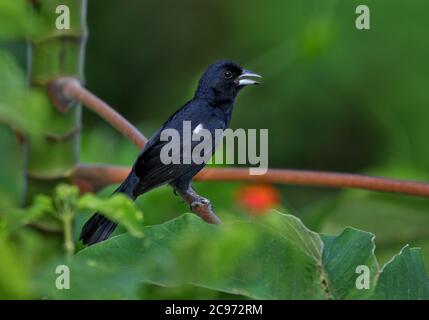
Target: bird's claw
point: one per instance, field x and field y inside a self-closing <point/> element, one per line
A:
<point x="200" y="203"/>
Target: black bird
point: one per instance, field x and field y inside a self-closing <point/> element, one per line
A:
<point x="211" y="109"/>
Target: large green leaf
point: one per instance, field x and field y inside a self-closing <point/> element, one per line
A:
<point x="257" y="260"/>
<point x="273" y="258"/>
<point x="119" y="208"/>
<point x="20" y="106"/>
<point x="394" y="219"/>
<point x="14" y="280"/>
<point x="14" y="22"/>
<point x="404" y="277"/>
<point x="12" y="218"/>
<point x="342" y="255"/>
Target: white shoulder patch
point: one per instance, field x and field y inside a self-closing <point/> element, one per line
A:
<point x="198" y="128"/>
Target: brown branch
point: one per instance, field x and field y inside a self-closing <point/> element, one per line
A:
<point x="102" y="175"/>
<point x="91" y="178"/>
<point x="318" y="178"/>
<point x="64" y="90"/>
<point x="200" y="206"/>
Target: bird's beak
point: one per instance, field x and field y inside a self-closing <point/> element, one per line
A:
<point x="243" y="79"/>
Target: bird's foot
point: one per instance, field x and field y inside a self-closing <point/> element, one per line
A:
<point x="199" y="203"/>
<point x="203" y="208"/>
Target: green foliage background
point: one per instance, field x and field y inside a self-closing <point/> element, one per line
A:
<point x="334" y="98"/>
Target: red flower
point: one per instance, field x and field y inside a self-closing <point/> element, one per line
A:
<point x="257" y="199"/>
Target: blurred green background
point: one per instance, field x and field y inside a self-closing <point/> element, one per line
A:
<point x="333" y="98"/>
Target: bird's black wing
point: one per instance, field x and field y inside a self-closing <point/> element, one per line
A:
<point x="149" y="168"/>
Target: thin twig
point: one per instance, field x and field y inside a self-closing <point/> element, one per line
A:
<point x="102" y="175"/>
<point x="66" y="88"/>
<point x="200" y="206"/>
<point x="92" y="178"/>
<point x="63" y="89"/>
<point x="317" y="178"/>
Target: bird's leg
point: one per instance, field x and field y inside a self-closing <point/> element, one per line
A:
<point x="199" y="205"/>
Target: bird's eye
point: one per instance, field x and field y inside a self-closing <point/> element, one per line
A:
<point x="228" y="74"/>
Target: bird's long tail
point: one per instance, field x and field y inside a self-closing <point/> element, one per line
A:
<point x="98" y="228"/>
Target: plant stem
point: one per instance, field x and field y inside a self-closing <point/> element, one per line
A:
<point x="55" y="53"/>
<point x="67" y="219"/>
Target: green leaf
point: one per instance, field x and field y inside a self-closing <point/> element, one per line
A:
<point x="118" y="208"/>
<point x="342" y="255"/>
<point x="14" y="19"/>
<point x="12" y="218"/>
<point x="404" y="277"/>
<point x="272" y="259"/>
<point x="394" y="219"/>
<point x="275" y="257"/>
<point x="14" y="280"/>
<point x="21" y="108"/>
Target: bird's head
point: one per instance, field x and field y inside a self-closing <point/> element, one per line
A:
<point x="223" y="80"/>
